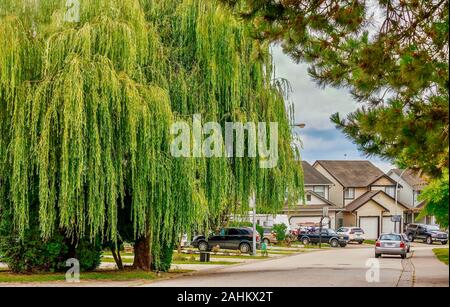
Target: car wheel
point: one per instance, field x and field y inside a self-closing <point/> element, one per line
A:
<point x="305" y="241"/>
<point x="377" y="255"/>
<point x="267" y="241"/>
<point x="360" y="242"/>
<point x="203" y="246"/>
<point x="343" y="244"/>
<point x="411" y="238"/>
<point x="444" y="242"/>
<point x="334" y="243"/>
<point x="244" y="248"/>
<point x="429" y="240"/>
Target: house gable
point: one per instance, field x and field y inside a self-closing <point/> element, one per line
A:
<point x="370" y="208"/>
<point x="384" y="181"/>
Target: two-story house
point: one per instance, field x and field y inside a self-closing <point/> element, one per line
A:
<point x="317" y="192"/>
<point x="364" y="196"/>
<point x="412" y="184"/>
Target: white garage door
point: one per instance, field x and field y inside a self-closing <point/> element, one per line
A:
<point x="388" y="225"/>
<point x="370" y="226"/>
<point x="297" y="221"/>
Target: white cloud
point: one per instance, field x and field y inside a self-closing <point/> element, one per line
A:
<point x="313" y="105"/>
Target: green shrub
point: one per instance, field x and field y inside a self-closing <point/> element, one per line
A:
<point x="88" y="254"/>
<point x="32" y="254"/>
<point x="280" y="230"/>
<point x="163" y="259"/>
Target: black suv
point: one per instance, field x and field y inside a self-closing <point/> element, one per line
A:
<point x="427" y="233"/>
<point x="228" y="238"/>
<point x="325" y="236"/>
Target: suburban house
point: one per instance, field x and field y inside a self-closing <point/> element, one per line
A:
<point x="363" y="195"/>
<point x="317" y="192"/>
<point x="412" y="185"/>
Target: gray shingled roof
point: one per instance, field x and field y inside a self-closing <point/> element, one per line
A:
<point x="412" y="178"/>
<point x="312" y="176"/>
<point x="352" y="173"/>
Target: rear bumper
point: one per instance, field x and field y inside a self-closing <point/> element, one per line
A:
<point x="390" y="251"/>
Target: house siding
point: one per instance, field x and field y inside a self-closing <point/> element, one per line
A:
<point x="336" y="190"/>
<point x="358" y="193"/>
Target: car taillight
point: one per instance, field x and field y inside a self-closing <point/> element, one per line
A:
<point x="402" y="244"/>
<point x="352" y="232"/>
<point x="378" y="244"/>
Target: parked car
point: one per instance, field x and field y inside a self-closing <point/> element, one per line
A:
<point x="325" y="236"/>
<point x="391" y="244"/>
<point x="407" y="242"/>
<point x="270" y="237"/>
<point x="355" y="234"/>
<point x="228" y="238"/>
<point x="427" y="233"/>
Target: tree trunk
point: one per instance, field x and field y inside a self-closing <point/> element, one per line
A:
<point x="142" y="254"/>
<point x="117" y="258"/>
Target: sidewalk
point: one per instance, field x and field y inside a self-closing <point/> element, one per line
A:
<point x="429" y="271"/>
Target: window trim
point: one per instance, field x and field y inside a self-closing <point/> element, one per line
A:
<point x="349" y="197"/>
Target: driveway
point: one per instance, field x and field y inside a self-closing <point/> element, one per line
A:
<point x="334" y="267"/>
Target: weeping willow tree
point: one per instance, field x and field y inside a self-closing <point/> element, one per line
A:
<point x="86" y="107"/>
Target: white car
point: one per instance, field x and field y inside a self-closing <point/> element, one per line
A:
<point x="355" y="234"/>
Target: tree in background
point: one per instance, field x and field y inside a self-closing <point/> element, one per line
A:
<point x="436" y="197"/>
<point x="86" y="107"/>
<point x="392" y="55"/>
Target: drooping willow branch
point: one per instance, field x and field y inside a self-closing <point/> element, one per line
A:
<point x="86" y="110"/>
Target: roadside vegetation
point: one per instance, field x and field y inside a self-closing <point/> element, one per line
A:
<point x="441" y="254"/>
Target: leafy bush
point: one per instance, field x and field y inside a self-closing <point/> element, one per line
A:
<point x="163" y="260"/>
<point x="280" y="230"/>
<point x="32" y="254"/>
<point x="88" y="254"/>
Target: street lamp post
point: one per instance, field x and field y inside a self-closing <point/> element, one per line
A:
<point x="253" y="206"/>
<point x="396" y="199"/>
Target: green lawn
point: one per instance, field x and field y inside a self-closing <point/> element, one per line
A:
<point x="371" y="242"/>
<point x="107" y="275"/>
<point x="441" y="254"/>
<point x="187" y="261"/>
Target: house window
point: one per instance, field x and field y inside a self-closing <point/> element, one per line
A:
<point x="390" y="191"/>
<point x="319" y="190"/>
<point x="349" y="193"/>
<point x="308" y="197"/>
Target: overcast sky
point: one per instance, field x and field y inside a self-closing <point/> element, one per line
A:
<point x="313" y="106"/>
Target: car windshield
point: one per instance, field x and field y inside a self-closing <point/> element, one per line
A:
<point x="432" y="228"/>
<point x="390" y="237"/>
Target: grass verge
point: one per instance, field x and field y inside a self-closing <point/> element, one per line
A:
<point x="441" y="254"/>
<point x="190" y="261"/>
<point x="107" y="275"/>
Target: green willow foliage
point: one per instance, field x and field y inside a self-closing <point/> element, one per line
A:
<point x="86" y="109"/>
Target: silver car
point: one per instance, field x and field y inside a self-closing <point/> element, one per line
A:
<point x="391" y="244"/>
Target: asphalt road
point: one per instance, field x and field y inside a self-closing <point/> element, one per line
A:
<point x="350" y="266"/>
